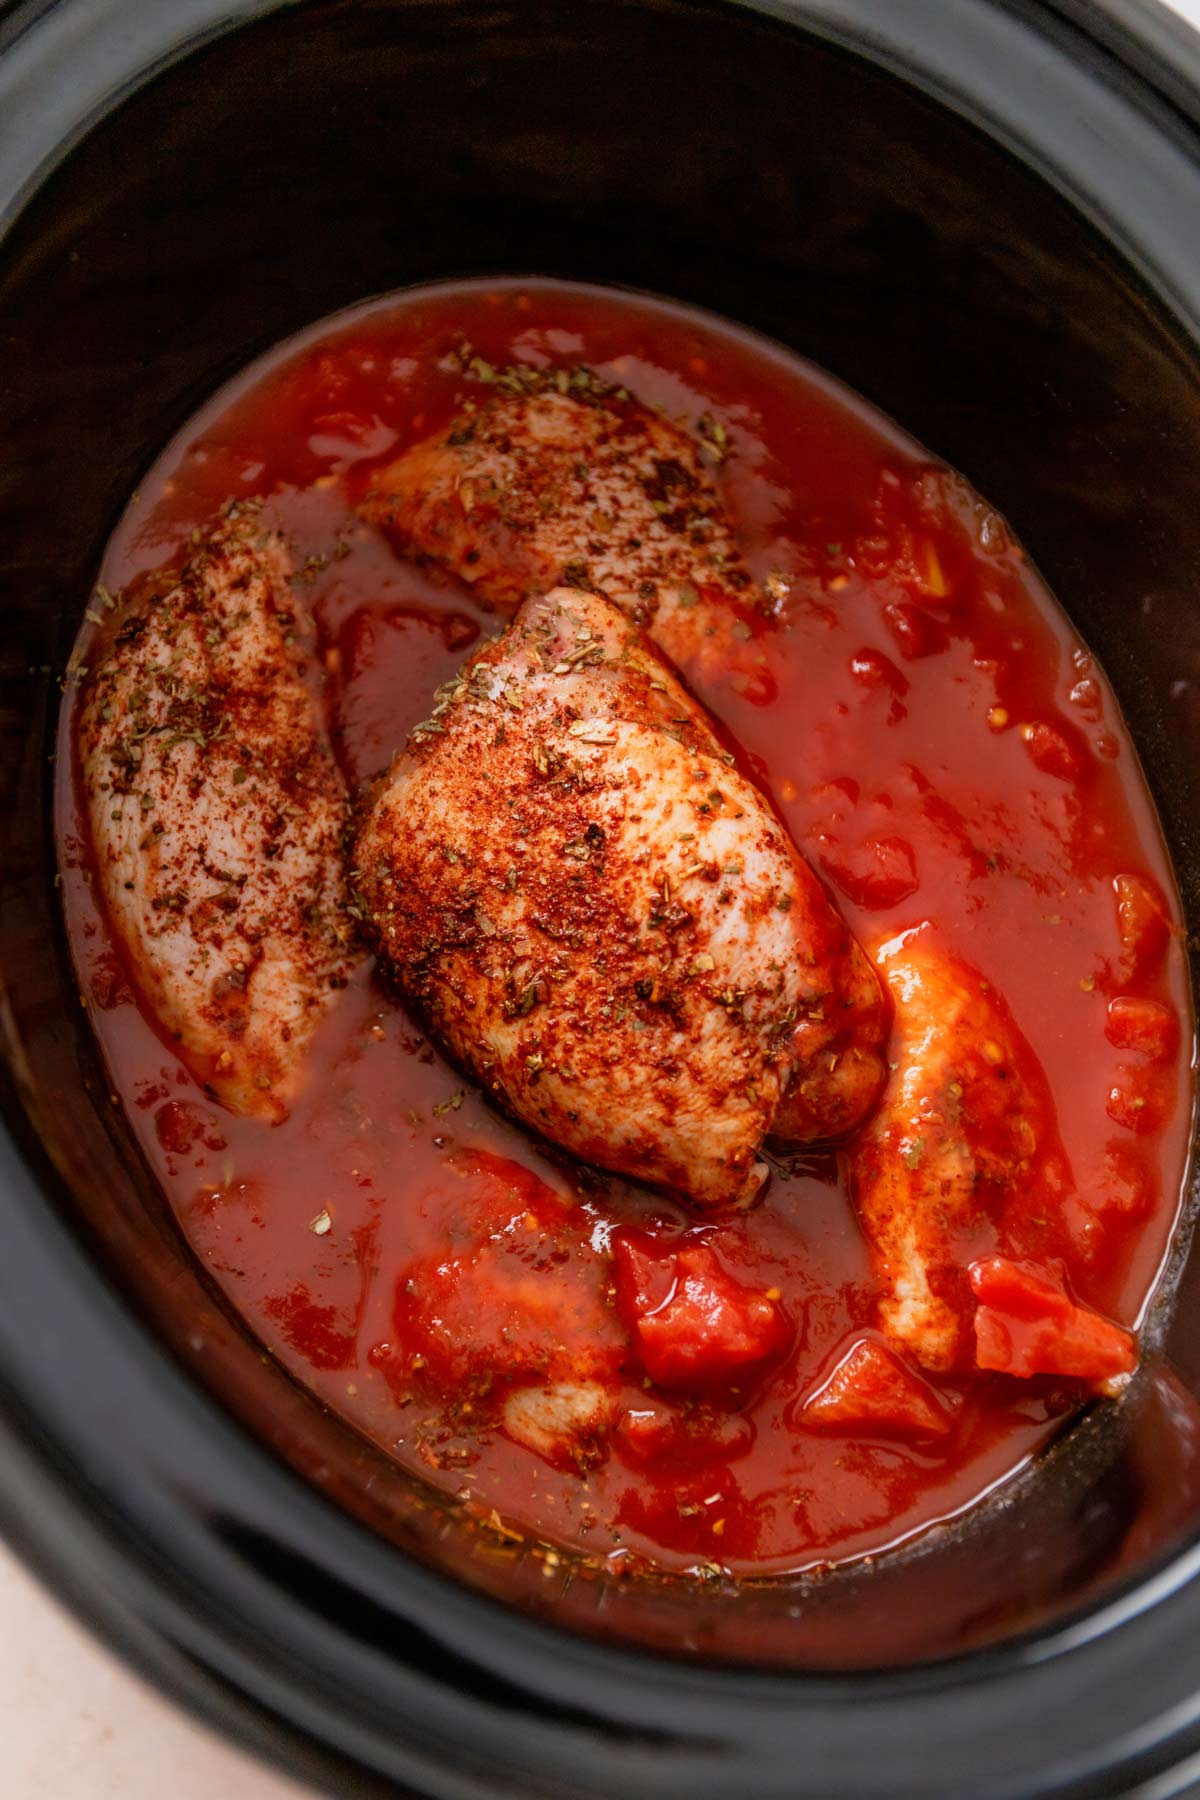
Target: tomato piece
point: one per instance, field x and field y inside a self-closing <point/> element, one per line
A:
<point x="1136" y="1101"/>
<point x="916" y="634"/>
<point x="179" y="1127"/>
<point x="877" y="873"/>
<point x="328" y="380"/>
<point x="321" y="1334"/>
<point x="1127" y="1189"/>
<point x="657" y="1433"/>
<point x="873" y="1390"/>
<point x="109" y="985"/>
<point x="1055" y="749"/>
<point x="1120" y="1194"/>
<point x="917" y="541"/>
<point x="1087" y="697"/>
<point x="694" y="1324"/>
<point x="1143" y="924"/>
<point x="757" y="686"/>
<point x="916" y="565"/>
<point x="516" y="1293"/>
<point x="1143" y="1025"/>
<point x="872" y="669"/>
<point x="1027" y="1324"/>
<point x="646" y="1274"/>
<point x="836" y="795"/>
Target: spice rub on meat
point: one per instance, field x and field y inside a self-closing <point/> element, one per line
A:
<point x="605" y="922"/>
<point x="537" y="486"/>
<point x="962" y="1151"/>
<point x="218" y="815"/>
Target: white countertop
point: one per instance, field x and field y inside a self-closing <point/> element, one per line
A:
<point x="75" y="1724"/>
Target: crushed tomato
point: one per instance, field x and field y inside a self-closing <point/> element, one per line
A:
<point x="1027" y="1324"/>
<point x="873" y="1390"/>
<point x="694" y="1325"/>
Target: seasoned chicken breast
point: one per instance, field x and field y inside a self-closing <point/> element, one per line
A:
<point x="605" y="922"/>
<point x="218" y="815"/>
<point x="964" y="1136"/>
<point x="536" y="487"/>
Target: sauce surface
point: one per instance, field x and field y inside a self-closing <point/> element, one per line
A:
<point x="942" y="747"/>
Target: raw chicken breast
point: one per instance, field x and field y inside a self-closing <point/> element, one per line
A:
<point x="218" y="815"/>
<point x="605" y="922"/>
<point x="963" y="1142"/>
<point x="535" y="488"/>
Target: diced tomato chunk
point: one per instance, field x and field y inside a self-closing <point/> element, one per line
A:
<point x="1136" y="1101"/>
<point x="1143" y="1025"/>
<point x="1027" y="1324"/>
<point x="694" y="1324"/>
<point x="645" y="1274"/>
<point x="1121" y="1193"/>
<point x="872" y="1390"/>
<point x="178" y="1127"/>
<point x="917" y="541"/>
<point x="916" y="634"/>
<point x="872" y="669"/>
<point x="657" y="1433"/>
<point x="1087" y="697"/>
<point x="1142" y="924"/>
<point x="1127" y="1188"/>
<point x="877" y="873"/>
<point x="323" y="1335"/>
<point x="329" y="380"/>
<point x="516" y="1293"/>
<point x="1055" y="749"/>
<point x="754" y="682"/>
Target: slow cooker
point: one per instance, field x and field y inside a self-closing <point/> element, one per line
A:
<point x="981" y="215"/>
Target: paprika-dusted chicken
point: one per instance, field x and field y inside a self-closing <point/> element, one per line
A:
<point x="965" y="1133"/>
<point x="586" y="487"/>
<point x="605" y="922"/>
<point x="218" y="815"/>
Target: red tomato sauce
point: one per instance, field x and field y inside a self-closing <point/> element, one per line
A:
<point x="942" y="746"/>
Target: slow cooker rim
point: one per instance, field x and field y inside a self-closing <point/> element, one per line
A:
<point x="44" y="1513"/>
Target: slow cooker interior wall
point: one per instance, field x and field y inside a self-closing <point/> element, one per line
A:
<point x="339" y="149"/>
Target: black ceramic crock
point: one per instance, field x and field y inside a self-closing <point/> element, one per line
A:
<point x="984" y="214"/>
